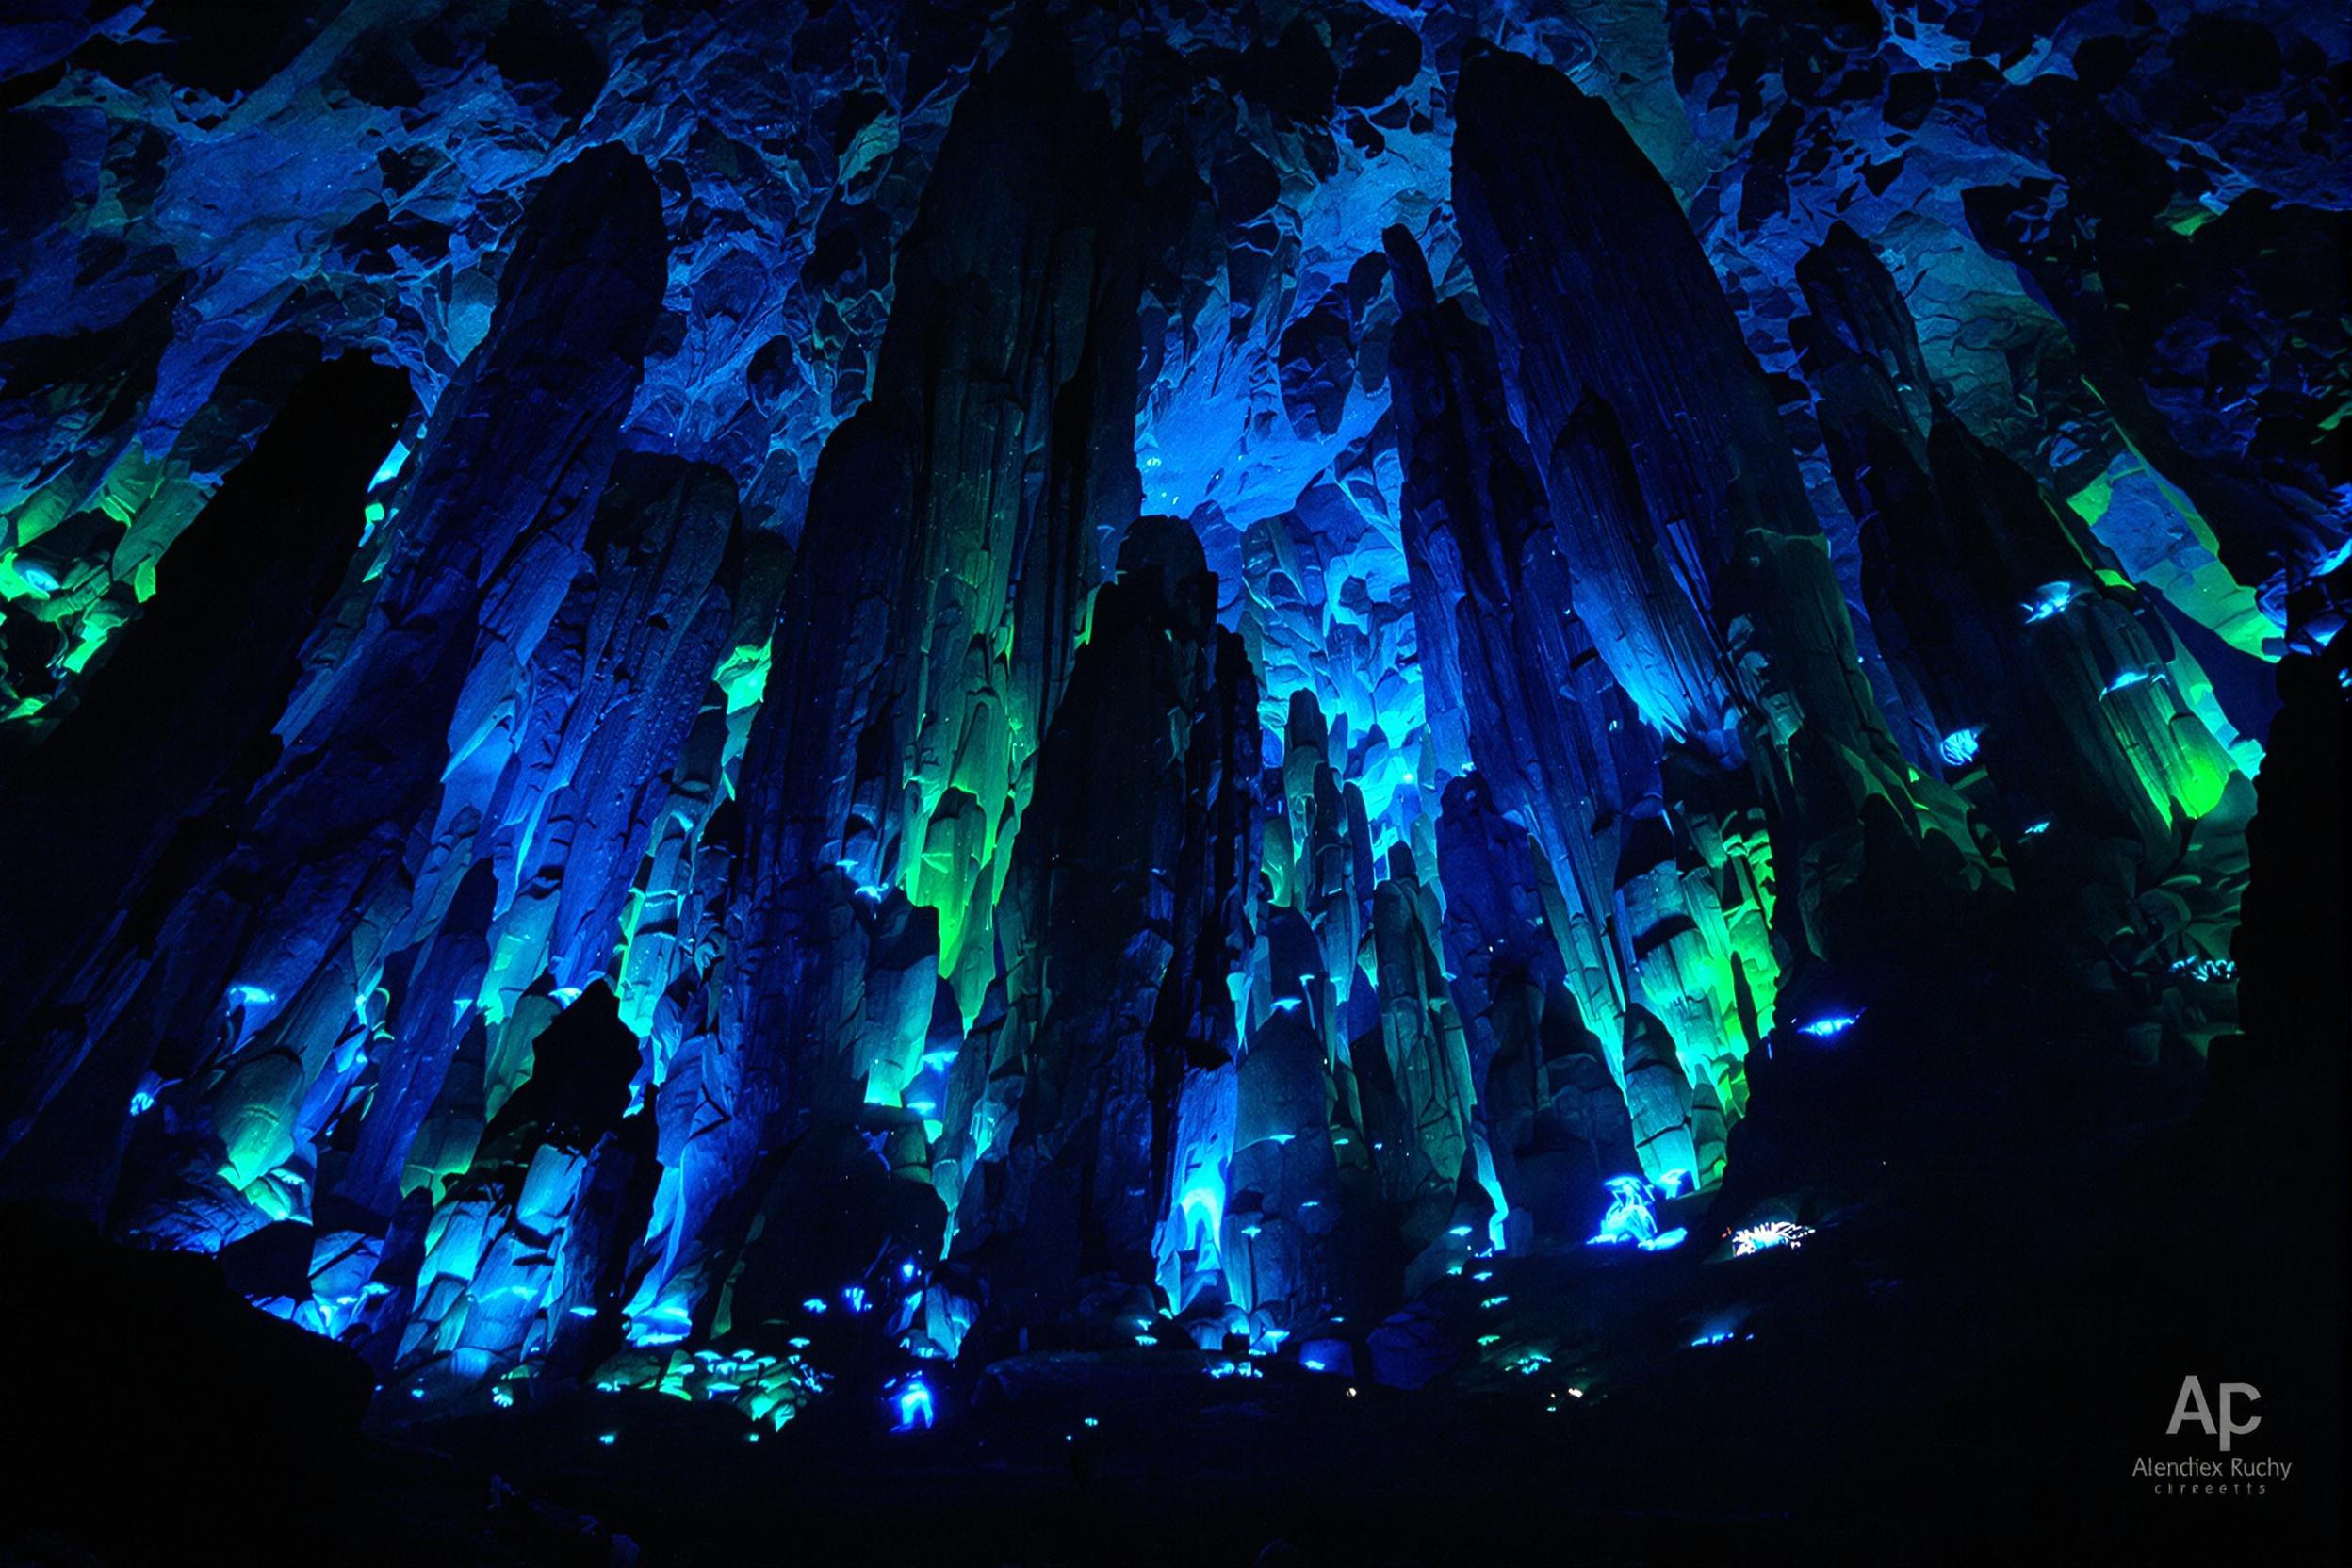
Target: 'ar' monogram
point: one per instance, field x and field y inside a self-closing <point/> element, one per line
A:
<point x="2190" y="1406"/>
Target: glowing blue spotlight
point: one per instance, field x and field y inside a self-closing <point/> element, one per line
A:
<point x="664" y="1324"/>
<point x="1830" y="1026"/>
<point x="914" y="1406"/>
<point x="1959" y="748"/>
<point x="1203" y="1209"/>
<point x="1630" y="1216"/>
<point x="2051" y="600"/>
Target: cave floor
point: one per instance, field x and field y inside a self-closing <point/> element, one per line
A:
<point x="1920" y="1382"/>
<point x="1969" y="1357"/>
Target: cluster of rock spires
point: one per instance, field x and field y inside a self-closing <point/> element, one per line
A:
<point x="1175" y="735"/>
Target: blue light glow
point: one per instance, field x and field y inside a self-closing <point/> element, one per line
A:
<point x="664" y="1324"/>
<point x="914" y="1405"/>
<point x="1203" y="1208"/>
<point x="1630" y="1216"/>
<point x="2051" y="600"/>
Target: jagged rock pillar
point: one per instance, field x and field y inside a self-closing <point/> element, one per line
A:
<point x="956" y="523"/>
<point x="166" y="737"/>
<point x="1118" y="925"/>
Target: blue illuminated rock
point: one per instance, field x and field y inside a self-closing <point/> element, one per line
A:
<point x="542" y="1224"/>
<point x="927" y="630"/>
<point x="1679" y="511"/>
<point x="1118" y="927"/>
<point x="1421" y="1069"/>
<point x="2014" y="632"/>
<point x="1625" y="364"/>
<point x="1546" y="724"/>
<point x="492" y="521"/>
<point x="2186" y="326"/>
<point x="173" y="731"/>
<point x="931" y="683"/>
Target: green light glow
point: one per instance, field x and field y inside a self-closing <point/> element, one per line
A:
<point x="743" y="676"/>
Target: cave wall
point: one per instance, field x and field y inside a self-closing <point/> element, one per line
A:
<point x="1045" y="682"/>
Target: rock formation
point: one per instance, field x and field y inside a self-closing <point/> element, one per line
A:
<point x="929" y="708"/>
